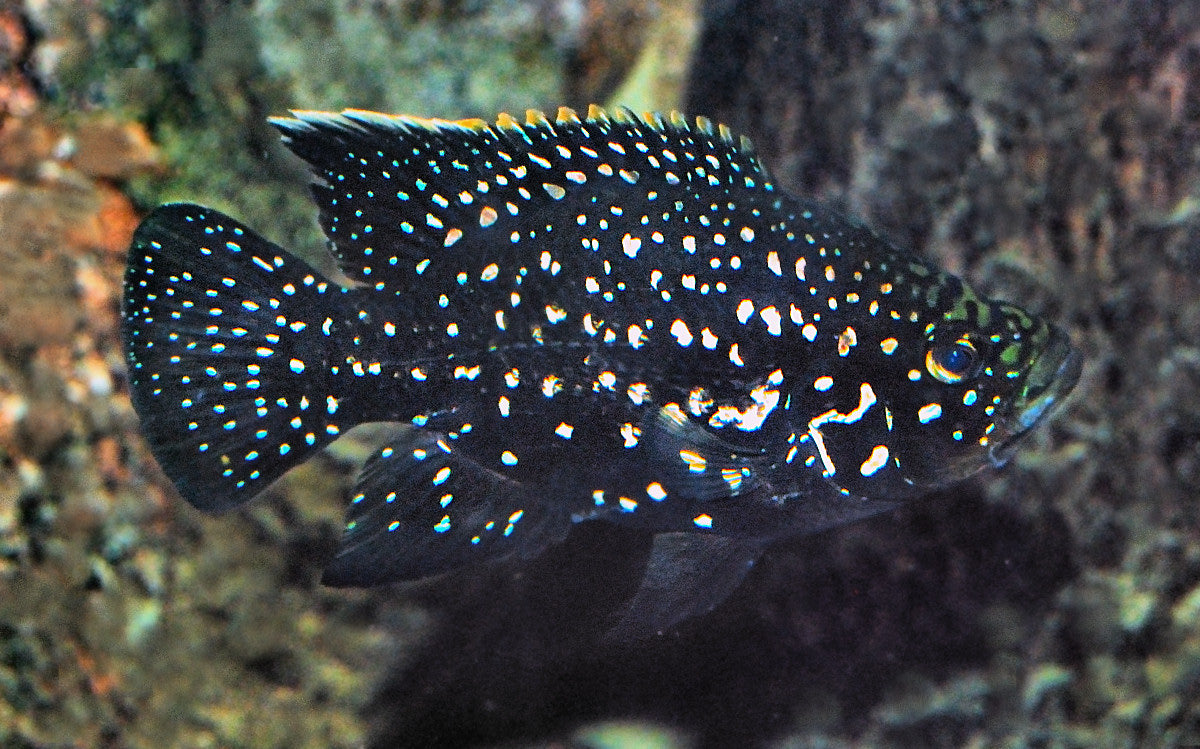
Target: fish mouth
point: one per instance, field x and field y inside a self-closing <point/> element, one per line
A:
<point x="1050" y="379"/>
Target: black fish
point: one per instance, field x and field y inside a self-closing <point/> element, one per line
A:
<point x="614" y="318"/>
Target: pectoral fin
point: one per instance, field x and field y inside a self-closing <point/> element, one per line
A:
<point x="422" y="508"/>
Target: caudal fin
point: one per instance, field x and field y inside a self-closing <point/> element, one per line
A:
<point x="229" y="341"/>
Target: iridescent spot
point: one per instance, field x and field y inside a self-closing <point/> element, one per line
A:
<point x="635" y="336"/>
<point x="847" y="340"/>
<point x="679" y="329"/>
<point x="929" y="412"/>
<point x="773" y="319"/>
<point x="773" y="263"/>
<point x="876" y="460"/>
<point x="745" y="309"/>
<point x="695" y="462"/>
<point x="555" y="314"/>
<point x="630" y="245"/>
<point x="735" y="356"/>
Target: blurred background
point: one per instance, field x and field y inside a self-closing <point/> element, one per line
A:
<point x="1047" y="150"/>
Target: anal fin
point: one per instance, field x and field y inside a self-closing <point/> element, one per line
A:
<point x="421" y="508"/>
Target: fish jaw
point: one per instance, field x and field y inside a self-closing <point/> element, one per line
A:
<point x="1051" y="379"/>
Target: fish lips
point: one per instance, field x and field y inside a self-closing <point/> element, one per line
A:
<point x="1051" y="378"/>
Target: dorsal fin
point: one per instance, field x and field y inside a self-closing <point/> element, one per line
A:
<point x="411" y="201"/>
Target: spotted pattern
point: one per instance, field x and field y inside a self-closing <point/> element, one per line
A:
<point x="602" y="317"/>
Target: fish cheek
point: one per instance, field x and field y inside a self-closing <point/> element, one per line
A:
<point x="941" y="436"/>
<point x="859" y="456"/>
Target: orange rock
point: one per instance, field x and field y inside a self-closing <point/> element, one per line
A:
<point x="117" y="220"/>
<point x="17" y="97"/>
<point x="108" y="149"/>
<point x="14" y="41"/>
<point x="25" y="143"/>
<point x="106" y="222"/>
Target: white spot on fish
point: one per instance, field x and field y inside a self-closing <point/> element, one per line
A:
<point x="876" y="460"/>
<point x="772" y="318"/>
<point x="745" y="309"/>
<point x="631" y="244"/>
<point x="679" y="329"/>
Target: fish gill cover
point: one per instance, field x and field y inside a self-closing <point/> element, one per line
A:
<point x="612" y="318"/>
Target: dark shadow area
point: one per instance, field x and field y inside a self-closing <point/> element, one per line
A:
<point x="516" y="656"/>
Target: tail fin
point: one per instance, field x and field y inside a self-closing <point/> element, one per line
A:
<point x="229" y="341"/>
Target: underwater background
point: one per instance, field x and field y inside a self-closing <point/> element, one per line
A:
<point x="1048" y="151"/>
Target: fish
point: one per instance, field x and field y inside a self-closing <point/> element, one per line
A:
<point x="610" y="318"/>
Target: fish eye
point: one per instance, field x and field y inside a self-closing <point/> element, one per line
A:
<point x="951" y="362"/>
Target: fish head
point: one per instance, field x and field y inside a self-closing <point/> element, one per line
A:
<point x="987" y="374"/>
<point x="933" y="385"/>
<point x="1047" y="367"/>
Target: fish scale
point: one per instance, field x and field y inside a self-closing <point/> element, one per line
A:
<point x="602" y="318"/>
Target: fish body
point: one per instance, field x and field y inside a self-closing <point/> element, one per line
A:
<point x="609" y="318"/>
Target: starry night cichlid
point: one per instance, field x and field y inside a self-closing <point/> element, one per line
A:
<point x="611" y="318"/>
